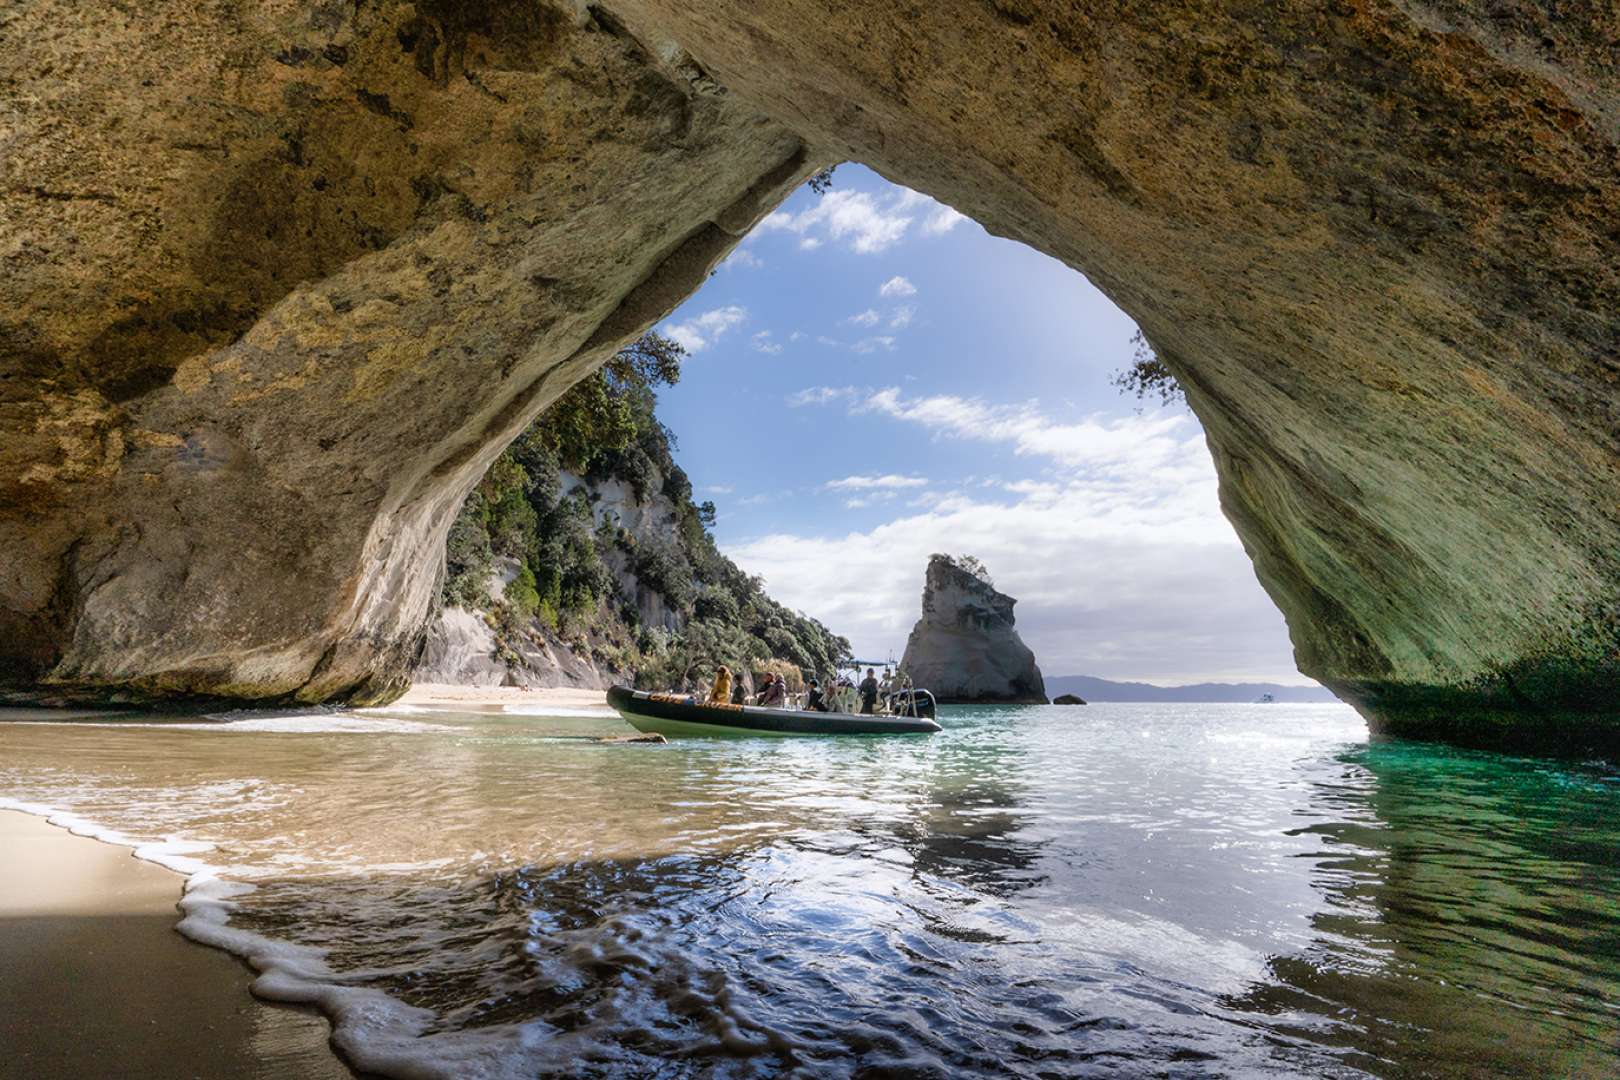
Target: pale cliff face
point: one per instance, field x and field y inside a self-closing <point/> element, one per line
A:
<point x="461" y="647"/>
<point x="964" y="647"/>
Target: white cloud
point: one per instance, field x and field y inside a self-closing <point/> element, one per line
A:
<point x="742" y="259"/>
<point x="873" y="344"/>
<point x="821" y="395"/>
<point x="901" y="318"/>
<point x="869" y="317"/>
<point x="797" y="335"/>
<point x="718" y="489"/>
<point x="869" y="483"/>
<point x="823" y="339"/>
<point x="941" y="221"/>
<point x="1133" y="583"/>
<point x="864" y="222"/>
<point x="897" y="286"/>
<point x="1134" y="443"/>
<point x="761" y="342"/>
<point x="701" y="331"/>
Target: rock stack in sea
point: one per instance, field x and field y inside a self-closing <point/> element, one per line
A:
<point x="964" y="647"/>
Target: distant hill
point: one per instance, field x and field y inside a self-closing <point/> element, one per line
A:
<point x="1094" y="689"/>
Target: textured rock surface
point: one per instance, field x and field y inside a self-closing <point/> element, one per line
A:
<point x="964" y="647"/>
<point x="462" y="650"/>
<point x="279" y="280"/>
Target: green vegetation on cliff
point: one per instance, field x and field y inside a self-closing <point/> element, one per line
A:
<point x="585" y="576"/>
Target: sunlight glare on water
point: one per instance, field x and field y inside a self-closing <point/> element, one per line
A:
<point x="1184" y="889"/>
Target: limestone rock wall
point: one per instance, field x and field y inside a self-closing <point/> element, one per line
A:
<point x="964" y="647"/>
<point x="282" y="279"/>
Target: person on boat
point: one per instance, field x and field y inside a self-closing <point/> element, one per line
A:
<point x="813" y="699"/>
<point x="774" y="695"/>
<point x="869" y="692"/>
<point x="721" y="694"/>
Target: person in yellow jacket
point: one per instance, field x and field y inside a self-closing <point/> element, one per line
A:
<point x="721" y="694"/>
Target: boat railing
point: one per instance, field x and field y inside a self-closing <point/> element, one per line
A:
<point x="908" y="701"/>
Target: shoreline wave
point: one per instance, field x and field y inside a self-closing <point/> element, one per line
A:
<point x="372" y="1032"/>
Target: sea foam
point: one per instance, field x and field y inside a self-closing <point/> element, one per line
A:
<point x="374" y="1032"/>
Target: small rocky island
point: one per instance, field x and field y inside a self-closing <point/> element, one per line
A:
<point x="964" y="647"/>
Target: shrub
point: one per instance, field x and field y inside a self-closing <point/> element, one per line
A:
<point x="522" y="594"/>
<point x="467" y="559"/>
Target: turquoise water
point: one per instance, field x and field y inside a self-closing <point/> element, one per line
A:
<point x="1118" y="889"/>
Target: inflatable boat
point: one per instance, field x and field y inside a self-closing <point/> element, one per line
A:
<point x="679" y="715"/>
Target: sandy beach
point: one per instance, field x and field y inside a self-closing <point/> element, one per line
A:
<point x="96" y="982"/>
<point x="496" y="698"/>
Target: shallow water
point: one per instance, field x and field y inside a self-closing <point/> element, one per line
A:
<point x="1124" y="889"/>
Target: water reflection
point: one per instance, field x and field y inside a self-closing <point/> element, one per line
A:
<point x="1471" y="917"/>
<point x="972" y="827"/>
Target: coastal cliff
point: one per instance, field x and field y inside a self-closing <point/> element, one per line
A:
<point x="580" y="559"/>
<point x="964" y="647"/>
<point x="282" y="282"/>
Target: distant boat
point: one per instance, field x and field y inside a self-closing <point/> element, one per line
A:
<point x="680" y="715"/>
<point x="1266" y="699"/>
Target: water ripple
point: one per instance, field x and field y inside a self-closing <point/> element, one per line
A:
<point x="1177" y="890"/>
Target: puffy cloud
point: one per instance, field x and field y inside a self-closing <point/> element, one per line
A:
<point x="901" y="317"/>
<point x="869" y="483"/>
<point x="942" y="220"/>
<point x="897" y="286"/>
<point x="1127" y="583"/>
<point x="869" y="317"/>
<point x="701" y="331"/>
<point x="761" y="342"/>
<point x="864" y="222"/>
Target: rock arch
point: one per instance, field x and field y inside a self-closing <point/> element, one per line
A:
<point x="280" y="281"/>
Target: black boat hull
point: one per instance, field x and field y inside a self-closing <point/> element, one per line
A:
<point x="671" y="716"/>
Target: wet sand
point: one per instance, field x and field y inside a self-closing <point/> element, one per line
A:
<point x="96" y="982"/>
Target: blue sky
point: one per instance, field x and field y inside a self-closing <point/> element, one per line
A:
<point x="873" y="377"/>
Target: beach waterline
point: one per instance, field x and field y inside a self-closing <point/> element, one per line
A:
<point x="1197" y="889"/>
